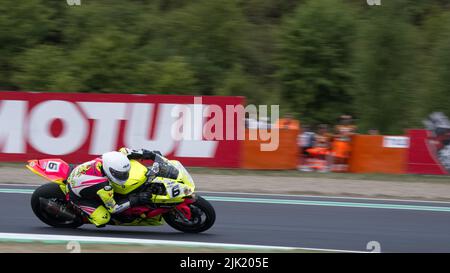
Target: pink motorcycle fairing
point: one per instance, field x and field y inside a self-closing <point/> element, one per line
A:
<point x="53" y="169"/>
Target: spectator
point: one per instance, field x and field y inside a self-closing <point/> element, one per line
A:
<point x="439" y="125"/>
<point x="321" y="150"/>
<point x="341" y="147"/>
<point x="305" y="142"/>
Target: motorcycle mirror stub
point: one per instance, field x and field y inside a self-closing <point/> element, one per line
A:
<point x="155" y="168"/>
<point x="153" y="171"/>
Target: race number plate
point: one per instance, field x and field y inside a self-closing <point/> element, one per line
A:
<point x="52" y="166"/>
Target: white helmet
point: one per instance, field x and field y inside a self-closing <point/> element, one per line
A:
<point x="116" y="166"/>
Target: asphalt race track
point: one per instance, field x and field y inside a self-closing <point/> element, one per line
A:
<point x="295" y="221"/>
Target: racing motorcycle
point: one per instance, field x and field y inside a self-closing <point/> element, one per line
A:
<point x="173" y="198"/>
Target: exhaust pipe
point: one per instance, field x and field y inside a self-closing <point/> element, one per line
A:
<point x="56" y="209"/>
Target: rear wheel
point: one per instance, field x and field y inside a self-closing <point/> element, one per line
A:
<point x="203" y="217"/>
<point x="51" y="194"/>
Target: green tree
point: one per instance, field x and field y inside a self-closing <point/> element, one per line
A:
<point x="175" y="76"/>
<point x="437" y="93"/>
<point x="386" y="70"/>
<point x="210" y="34"/>
<point x="388" y="64"/>
<point x="104" y="62"/>
<point x="315" y="60"/>
<point x="44" y="68"/>
<point x="267" y="11"/>
<point x="23" y="24"/>
<point x="237" y="83"/>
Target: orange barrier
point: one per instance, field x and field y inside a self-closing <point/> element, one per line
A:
<point x="285" y="157"/>
<point x="370" y="155"/>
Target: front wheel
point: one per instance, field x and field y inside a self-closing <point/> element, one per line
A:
<point x="51" y="194"/>
<point x="203" y="217"/>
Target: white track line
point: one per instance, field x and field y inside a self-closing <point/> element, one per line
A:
<point x="285" y="195"/>
<point x="21" y="185"/>
<point x="326" y="197"/>
<point x="24" y="237"/>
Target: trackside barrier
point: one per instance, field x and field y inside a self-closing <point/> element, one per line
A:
<point x="378" y="154"/>
<point x="285" y="157"/>
<point x="423" y="154"/>
<point x="77" y="127"/>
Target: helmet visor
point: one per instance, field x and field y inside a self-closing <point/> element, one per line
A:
<point x="121" y="176"/>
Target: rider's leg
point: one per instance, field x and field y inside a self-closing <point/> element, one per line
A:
<point x="96" y="212"/>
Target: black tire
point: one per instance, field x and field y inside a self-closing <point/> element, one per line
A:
<point x="51" y="191"/>
<point x="201" y="204"/>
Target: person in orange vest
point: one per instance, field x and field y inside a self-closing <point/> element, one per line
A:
<point x="305" y="141"/>
<point x="321" y="150"/>
<point x="341" y="145"/>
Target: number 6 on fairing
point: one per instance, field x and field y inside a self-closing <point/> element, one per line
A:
<point x="176" y="191"/>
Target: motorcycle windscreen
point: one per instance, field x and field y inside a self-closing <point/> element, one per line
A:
<point x="53" y="169"/>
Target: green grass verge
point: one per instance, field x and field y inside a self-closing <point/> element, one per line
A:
<point x="62" y="247"/>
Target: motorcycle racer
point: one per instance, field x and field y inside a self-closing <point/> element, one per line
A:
<point x="90" y="184"/>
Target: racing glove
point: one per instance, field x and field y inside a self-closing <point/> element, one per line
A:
<point x="165" y="169"/>
<point x="140" y="154"/>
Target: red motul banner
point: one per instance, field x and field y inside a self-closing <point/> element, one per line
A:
<point x="426" y="154"/>
<point x="76" y="127"/>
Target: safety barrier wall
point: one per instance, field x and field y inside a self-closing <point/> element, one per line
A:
<point x="416" y="153"/>
<point x="77" y="127"/>
<point x="423" y="157"/>
<point x="284" y="157"/>
<point x="370" y="154"/>
<point x="378" y="154"/>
